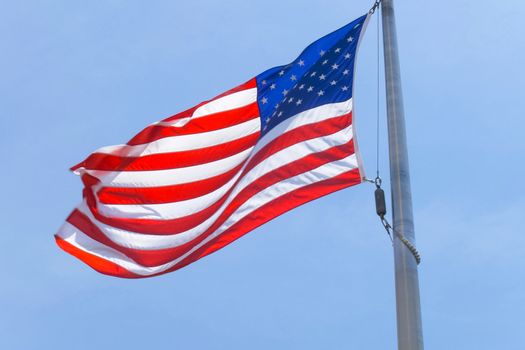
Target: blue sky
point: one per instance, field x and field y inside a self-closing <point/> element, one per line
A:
<point x="79" y="75"/>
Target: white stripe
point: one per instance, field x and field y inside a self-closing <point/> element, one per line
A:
<point x="80" y="240"/>
<point x="167" y="211"/>
<point x="185" y="142"/>
<point x="150" y="241"/>
<point x="232" y="101"/>
<point x="326" y="171"/>
<point x="226" y="103"/>
<point x="154" y="178"/>
<point x="222" y="104"/>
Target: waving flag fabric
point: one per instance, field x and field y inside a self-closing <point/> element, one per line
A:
<point x="190" y="184"/>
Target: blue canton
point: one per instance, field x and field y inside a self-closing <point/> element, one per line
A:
<point x="322" y="74"/>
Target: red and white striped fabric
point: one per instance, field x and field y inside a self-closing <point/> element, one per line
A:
<point x="189" y="185"/>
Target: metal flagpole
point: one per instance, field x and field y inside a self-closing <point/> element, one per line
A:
<point x="409" y="329"/>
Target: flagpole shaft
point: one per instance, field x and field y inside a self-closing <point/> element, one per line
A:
<point x="409" y="328"/>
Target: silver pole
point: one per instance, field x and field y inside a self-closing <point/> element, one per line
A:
<point x="409" y="329"/>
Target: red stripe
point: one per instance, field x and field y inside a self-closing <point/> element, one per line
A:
<point x="97" y="263"/>
<point x="161" y="256"/>
<point x="166" y="161"/>
<point x="158" y="227"/>
<point x="208" y="123"/>
<point x="164" y="194"/>
<point x="250" y="84"/>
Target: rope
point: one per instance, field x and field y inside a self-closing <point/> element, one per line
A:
<point x="412" y="248"/>
<point x="377" y="93"/>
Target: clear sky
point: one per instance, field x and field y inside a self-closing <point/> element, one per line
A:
<point x="78" y="75"/>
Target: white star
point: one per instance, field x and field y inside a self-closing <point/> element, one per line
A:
<point x="267" y="120"/>
<point x="337" y="50"/>
<point x="301" y="63"/>
<point x="264" y="100"/>
<point x="322" y="52"/>
<point x="280" y="113"/>
<point x="299" y="102"/>
<point x="310" y="89"/>
<point x="344" y="88"/>
<point x="333" y="82"/>
<point x="264" y="82"/>
<point x="276" y="106"/>
<point x="325" y="62"/>
<point x="350" y="39"/>
<point x="347" y="56"/>
<point x="290" y="100"/>
<point x="285" y="92"/>
<point x="321" y="93"/>
<point x="293" y="78"/>
<point x="301" y="87"/>
<point x="335" y="66"/>
<point x="281" y="73"/>
<point x="313" y="74"/>
<point x="272" y="86"/>
<point x="346" y="71"/>
<point x="322" y="77"/>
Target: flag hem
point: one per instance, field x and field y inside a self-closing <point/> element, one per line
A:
<point x="360" y="164"/>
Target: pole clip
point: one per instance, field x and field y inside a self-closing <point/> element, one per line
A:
<point x="378" y="181"/>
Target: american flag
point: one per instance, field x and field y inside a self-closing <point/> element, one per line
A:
<point x="190" y="184"/>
